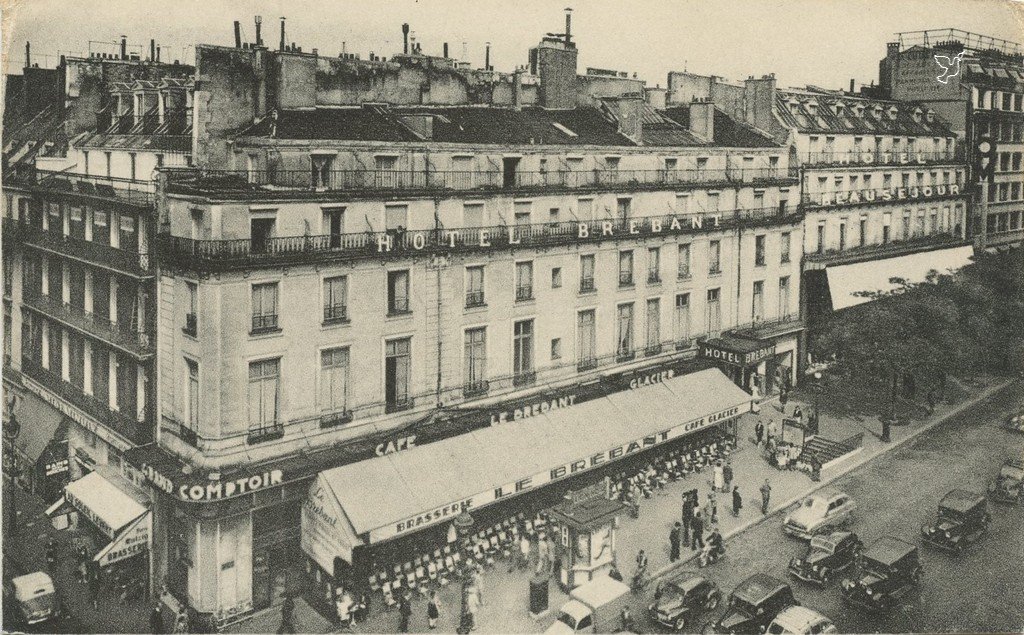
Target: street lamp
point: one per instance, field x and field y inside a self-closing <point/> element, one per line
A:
<point x="818" y="388"/>
<point x="464" y="529"/>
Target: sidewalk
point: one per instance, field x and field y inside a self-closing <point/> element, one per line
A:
<point x="25" y="552"/>
<point x="505" y="608"/>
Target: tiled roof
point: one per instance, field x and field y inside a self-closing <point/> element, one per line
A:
<point x="814" y="113"/>
<point x="728" y="132"/>
<point x="27" y="135"/>
<point x="153" y="142"/>
<point x="661" y="130"/>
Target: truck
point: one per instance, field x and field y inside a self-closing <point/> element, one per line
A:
<point x="594" y="607"/>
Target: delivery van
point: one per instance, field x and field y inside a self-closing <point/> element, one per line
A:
<point x="35" y="597"/>
<point x="595" y="607"/>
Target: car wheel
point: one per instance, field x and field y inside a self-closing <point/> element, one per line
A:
<point x="679" y="624"/>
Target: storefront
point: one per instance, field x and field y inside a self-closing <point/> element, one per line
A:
<point x="36" y="446"/>
<point x="767" y="363"/>
<point x="355" y="512"/>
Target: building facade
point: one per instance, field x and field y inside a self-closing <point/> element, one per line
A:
<point x="982" y="99"/>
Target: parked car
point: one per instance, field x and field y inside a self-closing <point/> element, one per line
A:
<point x="754" y="604"/>
<point x="820" y="512"/>
<point x="826" y="555"/>
<point x="593" y="607"/>
<point x="34" y="596"/>
<point x="800" y="620"/>
<point x="889" y="569"/>
<point x="962" y="519"/>
<point x="1015" y="422"/>
<point x="684" y="600"/>
<point x="1008" y="486"/>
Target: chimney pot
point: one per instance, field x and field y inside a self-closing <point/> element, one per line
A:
<point x="282" y="34"/>
<point x="158" y="53"/>
<point x="124" y="47"/>
<point x="238" y="34"/>
<point x="152" y="50"/>
<point x="487" y="57"/>
<point x="28" y="54"/>
<point x="445" y="50"/>
<point x="405" y="38"/>
<point x="259" y="27"/>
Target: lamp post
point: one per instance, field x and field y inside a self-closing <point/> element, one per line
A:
<point x="464" y="529"/>
<point x="818" y="388"/>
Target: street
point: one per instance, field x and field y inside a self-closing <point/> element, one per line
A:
<point x="979" y="591"/>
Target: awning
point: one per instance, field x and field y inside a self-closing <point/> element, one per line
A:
<point x="39" y="423"/>
<point x="845" y="281"/>
<point x="390" y="496"/>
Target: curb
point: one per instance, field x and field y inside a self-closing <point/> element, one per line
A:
<point x="844" y="470"/>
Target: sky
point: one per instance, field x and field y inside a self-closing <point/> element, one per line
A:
<point x="820" y="42"/>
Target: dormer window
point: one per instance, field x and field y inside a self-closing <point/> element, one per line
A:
<point x="858" y="109"/>
<point x="812" y="107"/>
<point x="930" y="115"/>
<point x="917" y="115"/>
<point x="877" y="111"/>
<point x="839" y="109"/>
<point x="892" y="112"/>
<point x="794" y="107"/>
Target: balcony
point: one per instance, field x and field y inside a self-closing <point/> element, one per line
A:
<point x="133" y="192"/>
<point x="652" y="349"/>
<point x="120" y="336"/>
<point x="336" y="314"/>
<point x="832" y="257"/>
<point x="524" y="293"/>
<point x="625" y="279"/>
<point x="398" y="307"/>
<point x="625" y="356"/>
<point x="129" y="263"/>
<point x="220" y="255"/>
<point x="474" y="299"/>
<point x="398" y="405"/>
<point x="268" y="432"/>
<point x="585" y="364"/>
<point x="880" y="196"/>
<point x="524" y="378"/>
<point x="334" y="419"/>
<point x="264" y="323"/>
<point x="587" y="284"/>
<point x="763" y="329"/>
<point x="475" y="388"/>
<point x="268" y="183"/>
<point x="863" y="158"/>
<point x="137" y="432"/>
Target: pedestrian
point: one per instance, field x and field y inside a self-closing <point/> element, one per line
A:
<point x="524" y="551"/>
<point x="798" y="414"/>
<point x="478" y="583"/>
<point x="711" y="508"/>
<point x="688" y="509"/>
<point x="405" y="611"/>
<point x="83" y="563"/>
<point x="94" y="584"/>
<point x="674" y="537"/>
<point x="783" y="398"/>
<point x="766" y="494"/>
<point x="737" y="500"/>
<point x="719" y="478"/>
<point x="727" y="475"/>
<point x="432" y="610"/>
<point x="755" y="399"/>
<point x="697" y="525"/>
<point x="472" y="606"/>
<point x="156" y="619"/>
<point x="287" y="614"/>
<point x="758" y="432"/>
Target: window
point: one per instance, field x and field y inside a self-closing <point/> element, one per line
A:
<point x="523" y="212"/>
<point x="653" y="326"/>
<point x="556" y="277"/>
<point x="264" y="307"/>
<point x="863" y="234"/>
<point x="556" y="349"/>
<point x="397" y="371"/>
<point x="784" y="248"/>
<point x="623" y="209"/>
<point x="759" y="250"/>
<point x="474" y="362"/>
<point x="587" y="273"/>
<point x="261" y="231"/>
<point x="320" y="170"/>
<point x="474" y="286"/>
<point x="264" y="392"/>
<point x="522" y="353"/>
<point x="398" y="292"/>
<point x="919" y="228"/>
<point x="524" y="281"/>
<point x="334" y="364"/>
<point x="933" y="221"/>
<point x="713" y="198"/>
<point x="714" y="313"/>
<point x="784" y="312"/>
<point x="757" y="311"/>
<point x="585" y="209"/>
<point x="625" y="268"/>
<point x="821" y="238"/>
<point x="100" y="227"/>
<point x="128" y="239"/>
<point x="106" y="159"/>
<point x="654" y="265"/>
<point x="192" y="306"/>
<point x="131" y="165"/>
<point x="714" y="257"/>
<point x="683" y="271"/>
<point x="624" y="333"/>
<point x="396" y="219"/>
<point x="842" y="234"/>
<point x="586" y="340"/>
<point x="335" y="299"/>
<point x="192" y="392"/>
<point x="682" y="321"/>
<point x="886" y="222"/>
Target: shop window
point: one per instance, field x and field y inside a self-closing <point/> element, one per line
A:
<point x="264" y="393"/>
<point x="398" y="292"/>
<point x="522" y="353"/>
<point x="474" y="364"/>
<point x="335" y="300"/>
<point x="624" y="333"/>
<point x="334" y="386"/>
<point x="586" y="340"/>
<point x="397" y="374"/>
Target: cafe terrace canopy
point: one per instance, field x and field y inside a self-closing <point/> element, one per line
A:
<point x="394" y="495"/>
<point x="844" y="281"/>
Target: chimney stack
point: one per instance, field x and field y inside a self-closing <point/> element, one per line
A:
<point x="124" y="47"/>
<point x="282" y="34"/>
<point x="158" y="53"/>
<point x="152" y="50"/>
<point x="259" y="27"/>
<point x="487" y="57"/>
<point x="28" y="54"/>
<point x="238" y="34"/>
<point x="851" y="85"/>
<point x="405" y="38"/>
<point x="568" y="26"/>
<point x="445" y="51"/>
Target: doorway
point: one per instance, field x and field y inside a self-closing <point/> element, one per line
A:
<point x="509" y="165"/>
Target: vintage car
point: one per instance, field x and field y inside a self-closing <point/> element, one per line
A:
<point x="1008" y="486"/>
<point x="34" y="598"/>
<point x="826" y="555"/>
<point x="754" y="604"/>
<point x="800" y="620"/>
<point x="889" y="569"/>
<point x="1015" y="422"/>
<point x="684" y="600"/>
<point x="818" y="513"/>
<point x="962" y="519"/>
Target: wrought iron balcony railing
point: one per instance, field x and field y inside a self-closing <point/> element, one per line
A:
<point x="132" y="191"/>
<point x="119" y="335"/>
<point x="128" y="262"/>
<point x="883" y="157"/>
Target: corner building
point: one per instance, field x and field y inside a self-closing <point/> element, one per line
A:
<point x="485" y="277"/>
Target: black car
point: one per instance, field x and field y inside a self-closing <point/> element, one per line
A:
<point x="754" y="604"/>
<point x="1008" y="485"/>
<point x="963" y="518"/>
<point x="889" y="569"/>
<point x="826" y="555"/>
<point x="685" y="599"/>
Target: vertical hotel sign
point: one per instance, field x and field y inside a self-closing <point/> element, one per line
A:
<point x="582" y="464"/>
